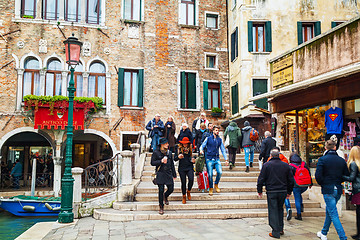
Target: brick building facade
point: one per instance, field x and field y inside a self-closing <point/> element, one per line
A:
<point x="141" y="56"/>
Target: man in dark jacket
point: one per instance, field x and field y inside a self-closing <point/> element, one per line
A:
<point x="266" y="145"/>
<point x="155" y="128"/>
<point x="165" y="172"/>
<point x="279" y="181"/>
<point x="329" y="174"/>
<point x="248" y="145"/>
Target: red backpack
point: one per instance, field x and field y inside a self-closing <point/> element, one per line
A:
<point x="254" y="135"/>
<point x="302" y="175"/>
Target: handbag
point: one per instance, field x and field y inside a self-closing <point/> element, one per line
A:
<point x="227" y="142"/>
<point x="153" y="176"/>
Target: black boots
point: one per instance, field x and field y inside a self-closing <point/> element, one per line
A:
<point x="247" y="169"/>
<point x="298" y="217"/>
<point x="251" y="164"/>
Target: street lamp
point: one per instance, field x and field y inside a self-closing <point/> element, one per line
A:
<point x="72" y="51"/>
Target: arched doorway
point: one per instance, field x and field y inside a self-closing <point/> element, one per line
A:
<point x="22" y="145"/>
<point x="89" y="147"/>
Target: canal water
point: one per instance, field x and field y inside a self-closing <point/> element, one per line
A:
<point x="11" y="226"/>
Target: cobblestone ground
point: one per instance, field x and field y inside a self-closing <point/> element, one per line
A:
<point x="247" y="228"/>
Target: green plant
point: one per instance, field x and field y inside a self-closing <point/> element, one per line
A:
<point x="28" y="16"/>
<point x="216" y="110"/>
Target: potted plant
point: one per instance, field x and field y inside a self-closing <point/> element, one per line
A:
<point x="216" y="112"/>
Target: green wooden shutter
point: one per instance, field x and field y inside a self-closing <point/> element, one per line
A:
<point x="260" y="87"/>
<point x="183" y="90"/>
<point x="234" y="99"/>
<point x="220" y="93"/>
<point x="141" y="88"/>
<point x="191" y="90"/>
<point x="121" y="87"/>
<point x="250" y="36"/>
<point x="333" y="24"/>
<point x="268" y="43"/>
<point x="299" y="32"/>
<point x="205" y="94"/>
<point x="317" y="28"/>
<point x="236" y="42"/>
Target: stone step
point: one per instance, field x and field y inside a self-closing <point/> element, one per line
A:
<point x="204" y="196"/>
<point x="202" y="205"/>
<point x="110" y="214"/>
<point x="223" y="179"/>
<point x="224" y="168"/>
<point x="237" y="163"/>
<point x="224" y="174"/>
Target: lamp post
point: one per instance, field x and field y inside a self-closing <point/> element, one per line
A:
<point x="72" y="51"/>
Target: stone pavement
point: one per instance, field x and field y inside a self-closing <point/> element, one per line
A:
<point x="246" y="228"/>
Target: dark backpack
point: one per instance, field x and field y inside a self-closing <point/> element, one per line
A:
<point x="254" y="135"/>
<point x="302" y="176"/>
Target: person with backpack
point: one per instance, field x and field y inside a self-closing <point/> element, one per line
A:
<point x="303" y="180"/>
<point x="162" y="159"/>
<point x="234" y="133"/>
<point x="249" y="136"/>
<point x="183" y="154"/>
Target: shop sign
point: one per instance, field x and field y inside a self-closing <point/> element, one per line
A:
<point x="282" y="71"/>
<point x="58" y="119"/>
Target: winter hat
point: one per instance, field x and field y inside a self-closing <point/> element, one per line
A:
<point x="246" y="123"/>
<point x="163" y="141"/>
<point x="295" y="159"/>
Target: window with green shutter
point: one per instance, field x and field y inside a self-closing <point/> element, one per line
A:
<point x="188" y="90"/>
<point x="213" y="95"/>
<point x="259" y="36"/>
<point x="234" y="45"/>
<point x="235" y="99"/>
<point x="260" y="87"/>
<point x="131" y="87"/>
<point x="308" y="30"/>
<point x="336" y="23"/>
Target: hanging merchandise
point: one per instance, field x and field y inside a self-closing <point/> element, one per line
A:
<point x="352" y="132"/>
<point x="334" y="120"/>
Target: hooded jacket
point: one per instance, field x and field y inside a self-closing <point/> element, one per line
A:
<point x="234" y="133"/>
<point x="246" y="136"/>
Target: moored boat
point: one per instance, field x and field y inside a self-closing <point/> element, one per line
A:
<point x="26" y="206"/>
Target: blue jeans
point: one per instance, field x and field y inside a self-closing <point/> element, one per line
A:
<point x="249" y="151"/>
<point x="287" y="204"/>
<point x="332" y="215"/>
<point x="210" y="165"/>
<point x="298" y="198"/>
<point x="155" y="141"/>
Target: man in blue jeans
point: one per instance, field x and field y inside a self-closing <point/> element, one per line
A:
<point x="329" y="174"/>
<point x="155" y="128"/>
<point x="248" y="145"/>
<point x="212" y="144"/>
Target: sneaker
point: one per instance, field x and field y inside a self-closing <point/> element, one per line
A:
<point x="251" y="164"/>
<point x="321" y="236"/>
<point x="289" y="215"/>
<point x="231" y="166"/>
<point x="298" y="217"/>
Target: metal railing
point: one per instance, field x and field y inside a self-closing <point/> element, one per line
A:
<point x="102" y="177"/>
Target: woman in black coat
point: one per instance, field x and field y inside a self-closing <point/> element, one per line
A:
<point x="354" y="167"/>
<point x="186" y="166"/>
<point x="165" y="172"/>
<point x="185" y="132"/>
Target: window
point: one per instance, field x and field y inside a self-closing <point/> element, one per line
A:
<point x="308" y="30"/>
<point x="93" y="11"/>
<point x="260" y="87"/>
<point x="187" y="12"/>
<point x="131" y="87"/>
<point x="96" y="84"/>
<point x="50" y="9"/>
<point x="212" y="21"/>
<point x="211" y="61"/>
<point x="78" y="80"/>
<point x="53" y="78"/>
<point x="31" y="78"/>
<point x="234" y="44"/>
<point x="73" y="10"/>
<point x="28" y="8"/>
<point x="212" y="95"/>
<point x="235" y="99"/>
<point x="188" y="90"/>
<point x="336" y="23"/>
<point x="259" y="37"/>
<point x="132" y="9"/>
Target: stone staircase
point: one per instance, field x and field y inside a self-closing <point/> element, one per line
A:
<point x="237" y="199"/>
